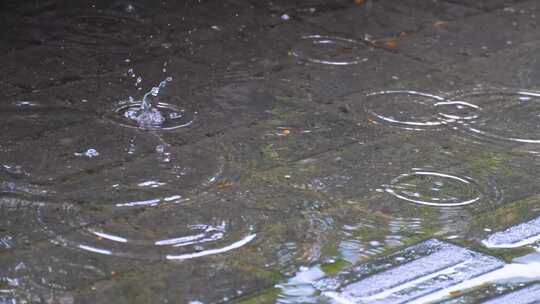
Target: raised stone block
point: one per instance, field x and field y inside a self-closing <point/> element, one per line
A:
<point x="416" y="272"/>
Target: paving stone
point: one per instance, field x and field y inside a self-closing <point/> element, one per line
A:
<point x="37" y="153"/>
<point x="341" y="173"/>
<point x="290" y="136"/>
<point x="33" y="119"/>
<point x="523" y="234"/>
<point x="527" y="295"/>
<point x="481" y="36"/>
<point x="508" y="216"/>
<point x="415" y="272"/>
<point x="487" y="5"/>
<point x="513" y="67"/>
<point x="323" y="83"/>
<point x="380" y="21"/>
<point x="47" y="273"/>
<point x="29" y="221"/>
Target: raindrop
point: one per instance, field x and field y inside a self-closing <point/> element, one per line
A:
<point x="150" y="115"/>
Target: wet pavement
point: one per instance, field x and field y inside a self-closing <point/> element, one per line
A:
<point x="246" y="151"/>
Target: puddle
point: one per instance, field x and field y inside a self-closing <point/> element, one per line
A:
<point x="148" y="114"/>
<point x="416" y="110"/>
<point x="330" y="50"/>
<point x="435" y="189"/>
<point x="505" y="115"/>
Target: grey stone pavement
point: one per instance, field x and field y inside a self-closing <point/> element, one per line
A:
<point x="300" y="164"/>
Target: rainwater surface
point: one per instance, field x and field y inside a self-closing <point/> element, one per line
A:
<point x="254" y="152"/>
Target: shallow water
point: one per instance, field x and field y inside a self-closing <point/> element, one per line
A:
<point x="284" y="152"/>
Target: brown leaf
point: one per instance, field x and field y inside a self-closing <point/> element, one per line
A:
<point x="224" y="184"/>
<point x="440" y="23"/>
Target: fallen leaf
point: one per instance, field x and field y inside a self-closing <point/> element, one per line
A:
<point x="440" y="23"/>
<point x="455" y="293"/>
<point x="224" y="184"/>
<point x="391" y="44"/>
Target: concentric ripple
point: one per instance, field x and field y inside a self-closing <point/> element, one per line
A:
<point x="168" y="116"/>
<point x="416" y="110"/>
<point x="149" y="114"/>
<point x="506" y="115"/>
<point x="172" y="232"/>
<point x="330" y="50"/>
<point x="167" y="175"/>
<point x="435" y="189"/>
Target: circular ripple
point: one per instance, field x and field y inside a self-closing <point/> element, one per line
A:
<point x="330" y="50"/>
<point x="114" y="166"/>
<point x="506" y="115"/>
<point x="172" y="232"/>
<point x="171" y="117"/>
<point x="168" y="175"/>
<point x="416" y="110"/>
<point x="435" y="189"/>
<point x="61" y="152"/>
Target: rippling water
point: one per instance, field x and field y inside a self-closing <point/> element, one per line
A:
<point x="228" y="166"/>
<point x="330" y="50"/>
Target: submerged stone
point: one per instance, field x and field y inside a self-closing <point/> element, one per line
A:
<point x="528" y="295"/>
<point x="416" y="272"/>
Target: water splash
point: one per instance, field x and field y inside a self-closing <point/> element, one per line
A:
<point x="146" y="115"/>
<point x="149" y="114"/>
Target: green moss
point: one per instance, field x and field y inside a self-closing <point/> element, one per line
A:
<point x="335" y="267"/>
<point x="270" y="276"/>
<point x="266" y="296"/>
